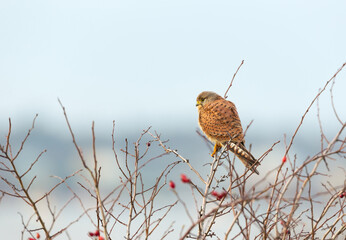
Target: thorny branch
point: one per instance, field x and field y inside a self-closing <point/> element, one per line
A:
<point x="283" y="203"/>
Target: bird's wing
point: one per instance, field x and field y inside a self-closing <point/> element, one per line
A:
<point x="220" y="121"/>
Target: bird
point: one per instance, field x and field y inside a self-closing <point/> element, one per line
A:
<point x="219" y="120"/>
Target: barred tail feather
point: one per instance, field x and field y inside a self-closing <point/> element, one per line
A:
<point x="245" y="156"/>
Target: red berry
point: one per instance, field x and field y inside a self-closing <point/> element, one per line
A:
<point x="171" y="184"/>
<point x="148" y="144"/>
<point x="219" y="196"/>
<point x="31" y="239"/>
<point x="222" y="195"/>
<point x="184" y="178"/>
<point x="101" y="238"/>
<point x="215" y="193"/>
<point x="342" y="195"/>
<point x="90" y="234"/>
<point x="38" y="235"/>
<point x="284" y="159"/>
<point x="97" y="233"/>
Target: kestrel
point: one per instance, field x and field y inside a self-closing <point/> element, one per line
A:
<point x="219" y="120"/>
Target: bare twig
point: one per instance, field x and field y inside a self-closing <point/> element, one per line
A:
<point x="230" y="85"/>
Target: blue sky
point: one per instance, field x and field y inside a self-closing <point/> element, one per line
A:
<point x="144" y="62"/>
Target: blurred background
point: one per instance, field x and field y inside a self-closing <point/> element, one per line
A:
<point x="143" y="63"/>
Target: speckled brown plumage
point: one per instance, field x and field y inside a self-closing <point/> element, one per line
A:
<point x="219" y="120"/>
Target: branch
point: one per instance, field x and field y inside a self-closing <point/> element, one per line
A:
<point x="225" y="96"/>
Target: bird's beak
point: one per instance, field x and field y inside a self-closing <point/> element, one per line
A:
<point x="198" y="103"/>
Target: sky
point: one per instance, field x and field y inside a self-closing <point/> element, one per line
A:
<point x="143" y="63"/>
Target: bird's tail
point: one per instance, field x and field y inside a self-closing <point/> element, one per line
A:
<point x="245" y="156"/>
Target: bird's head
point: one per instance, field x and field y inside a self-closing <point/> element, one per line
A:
<point x="206" y="97"/>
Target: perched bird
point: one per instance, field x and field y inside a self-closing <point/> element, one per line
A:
<point x="219" y="120"/>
